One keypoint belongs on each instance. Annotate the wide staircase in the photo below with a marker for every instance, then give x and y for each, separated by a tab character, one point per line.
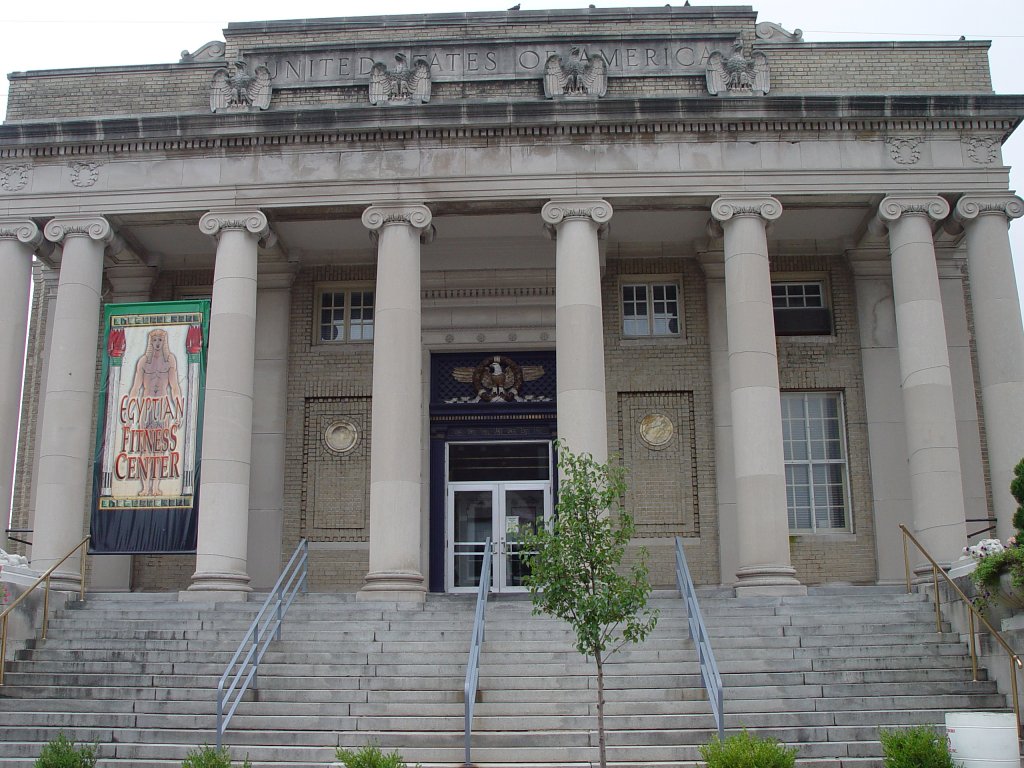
137	674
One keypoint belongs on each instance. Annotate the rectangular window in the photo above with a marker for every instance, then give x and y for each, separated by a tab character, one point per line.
346	315
650	309
815	457
800	309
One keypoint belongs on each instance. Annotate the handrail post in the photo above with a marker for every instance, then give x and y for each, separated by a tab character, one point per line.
938	608
476	640
974	646
906	561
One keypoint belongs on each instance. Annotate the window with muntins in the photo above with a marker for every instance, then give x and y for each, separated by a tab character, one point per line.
800	309
650	309
345	315
814	447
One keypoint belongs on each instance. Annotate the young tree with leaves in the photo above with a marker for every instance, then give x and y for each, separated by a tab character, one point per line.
574	567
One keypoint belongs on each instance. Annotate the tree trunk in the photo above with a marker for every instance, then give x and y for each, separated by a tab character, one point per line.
600	711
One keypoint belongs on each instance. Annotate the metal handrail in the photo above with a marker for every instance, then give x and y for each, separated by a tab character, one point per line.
937	570
235	682
473	665
699	632
45	577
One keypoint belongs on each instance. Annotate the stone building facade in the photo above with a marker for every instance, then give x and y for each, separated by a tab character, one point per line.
772	277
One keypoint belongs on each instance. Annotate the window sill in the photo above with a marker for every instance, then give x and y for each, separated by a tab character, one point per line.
831	537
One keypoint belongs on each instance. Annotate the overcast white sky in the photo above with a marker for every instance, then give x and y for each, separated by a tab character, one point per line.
61	33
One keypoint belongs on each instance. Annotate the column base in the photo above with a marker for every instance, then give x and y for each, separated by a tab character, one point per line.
65	581
393	586
768	581
217	587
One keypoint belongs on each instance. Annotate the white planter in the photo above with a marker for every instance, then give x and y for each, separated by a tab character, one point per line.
983	739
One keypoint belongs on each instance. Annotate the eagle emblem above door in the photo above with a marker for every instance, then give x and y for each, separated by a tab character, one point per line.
498	379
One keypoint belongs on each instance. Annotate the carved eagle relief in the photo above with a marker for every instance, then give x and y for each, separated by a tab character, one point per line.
578	77
401	83
736	73
498	379
235	89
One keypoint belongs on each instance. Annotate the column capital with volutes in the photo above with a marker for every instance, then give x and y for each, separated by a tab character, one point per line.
730	207
94	227
972	206
893	208
251	220
415	215
23	231
596	210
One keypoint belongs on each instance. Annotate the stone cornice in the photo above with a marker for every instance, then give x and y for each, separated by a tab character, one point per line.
729	207
699	116
25	232
932	206
970	207
253	221
93	227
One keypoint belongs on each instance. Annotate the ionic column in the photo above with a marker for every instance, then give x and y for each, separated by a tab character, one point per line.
577	225
221	550
397	405
65	451
18	241
763	523
999	338
936	485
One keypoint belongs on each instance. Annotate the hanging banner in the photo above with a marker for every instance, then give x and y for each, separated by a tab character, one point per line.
149	431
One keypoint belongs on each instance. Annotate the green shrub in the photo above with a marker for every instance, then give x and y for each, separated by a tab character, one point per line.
918	747
741	750
208	757
61	752
369	756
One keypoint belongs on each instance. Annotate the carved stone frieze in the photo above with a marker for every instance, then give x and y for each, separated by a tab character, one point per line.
904	150
14	177
235	89
982	150
772	32
85	174
401	85
736	74
579	77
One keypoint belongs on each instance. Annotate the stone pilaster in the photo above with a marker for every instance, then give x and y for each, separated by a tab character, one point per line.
932	446
999	338
713	264
577	225
765	565
270	405
64	450
18	241
222	548
397	409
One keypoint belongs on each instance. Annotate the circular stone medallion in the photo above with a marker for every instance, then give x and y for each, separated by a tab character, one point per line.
341	436
656	429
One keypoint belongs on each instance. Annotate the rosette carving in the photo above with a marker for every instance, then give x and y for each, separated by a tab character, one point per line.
892	208
253	221
763	206
94	227
23	231
970	207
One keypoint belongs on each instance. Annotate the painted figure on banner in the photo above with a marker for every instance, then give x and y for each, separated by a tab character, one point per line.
156	390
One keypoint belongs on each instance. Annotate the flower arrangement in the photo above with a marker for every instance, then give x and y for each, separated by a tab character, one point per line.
5	595
996	559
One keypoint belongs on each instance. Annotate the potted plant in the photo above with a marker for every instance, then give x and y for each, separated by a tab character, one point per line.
369	756
208	757
999	575
61	752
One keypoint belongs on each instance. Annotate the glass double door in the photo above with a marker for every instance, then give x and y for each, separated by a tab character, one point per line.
479	511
